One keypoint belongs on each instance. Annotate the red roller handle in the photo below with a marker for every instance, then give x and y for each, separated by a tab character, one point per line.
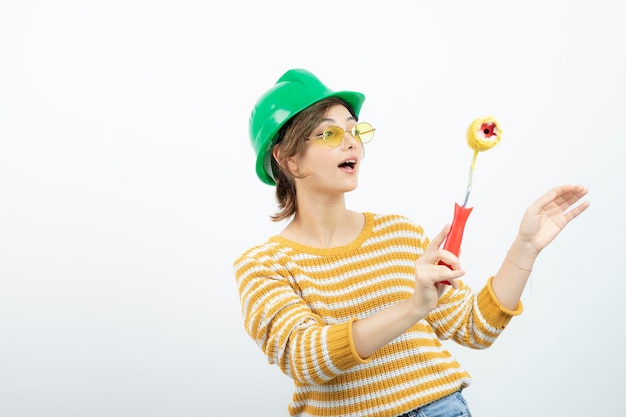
455	235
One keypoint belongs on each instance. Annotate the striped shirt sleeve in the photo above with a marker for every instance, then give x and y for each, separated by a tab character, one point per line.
286	329
471	320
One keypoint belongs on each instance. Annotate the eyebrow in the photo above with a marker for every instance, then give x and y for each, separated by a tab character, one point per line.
330	119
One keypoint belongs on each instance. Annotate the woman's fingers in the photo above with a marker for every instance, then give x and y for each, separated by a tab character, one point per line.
442	266
435	256
574	212
563	197
443	285
568	199
439	239
437	266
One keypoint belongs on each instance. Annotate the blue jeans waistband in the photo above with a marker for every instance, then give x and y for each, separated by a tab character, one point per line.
453	405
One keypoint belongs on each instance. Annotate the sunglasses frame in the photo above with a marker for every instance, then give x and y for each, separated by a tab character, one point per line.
354	132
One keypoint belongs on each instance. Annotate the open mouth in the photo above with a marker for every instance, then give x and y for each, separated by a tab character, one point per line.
350	164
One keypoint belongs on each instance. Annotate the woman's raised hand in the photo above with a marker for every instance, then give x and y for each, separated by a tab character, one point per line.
549	214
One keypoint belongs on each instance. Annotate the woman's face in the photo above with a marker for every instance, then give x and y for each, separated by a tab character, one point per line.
324	168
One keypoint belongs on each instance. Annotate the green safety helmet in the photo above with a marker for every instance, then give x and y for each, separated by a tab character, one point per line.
296	90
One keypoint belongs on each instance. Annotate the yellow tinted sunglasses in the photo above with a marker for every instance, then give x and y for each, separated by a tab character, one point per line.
333	135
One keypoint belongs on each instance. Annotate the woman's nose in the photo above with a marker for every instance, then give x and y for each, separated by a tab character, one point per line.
349	141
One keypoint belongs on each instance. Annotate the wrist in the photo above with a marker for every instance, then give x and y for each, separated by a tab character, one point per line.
522	254
414	310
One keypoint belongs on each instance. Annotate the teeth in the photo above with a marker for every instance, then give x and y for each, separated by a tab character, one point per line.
348	163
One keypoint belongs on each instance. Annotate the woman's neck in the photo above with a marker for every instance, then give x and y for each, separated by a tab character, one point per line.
324	223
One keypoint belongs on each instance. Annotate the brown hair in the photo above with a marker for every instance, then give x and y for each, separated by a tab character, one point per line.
291	138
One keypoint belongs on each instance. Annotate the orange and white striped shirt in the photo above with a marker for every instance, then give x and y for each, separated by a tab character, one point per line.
299	303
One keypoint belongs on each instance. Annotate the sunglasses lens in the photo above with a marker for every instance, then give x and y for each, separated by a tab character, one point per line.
364	132
333	136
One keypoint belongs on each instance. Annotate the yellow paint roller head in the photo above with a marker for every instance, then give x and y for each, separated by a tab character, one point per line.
483	133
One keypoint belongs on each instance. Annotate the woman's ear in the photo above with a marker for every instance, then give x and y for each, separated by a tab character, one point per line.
289	164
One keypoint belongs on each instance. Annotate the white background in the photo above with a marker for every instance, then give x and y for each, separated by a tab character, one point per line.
127	188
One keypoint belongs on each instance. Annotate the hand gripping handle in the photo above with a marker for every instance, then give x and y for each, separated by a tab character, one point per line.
455	235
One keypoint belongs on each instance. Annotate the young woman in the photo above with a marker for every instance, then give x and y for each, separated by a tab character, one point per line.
352	306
